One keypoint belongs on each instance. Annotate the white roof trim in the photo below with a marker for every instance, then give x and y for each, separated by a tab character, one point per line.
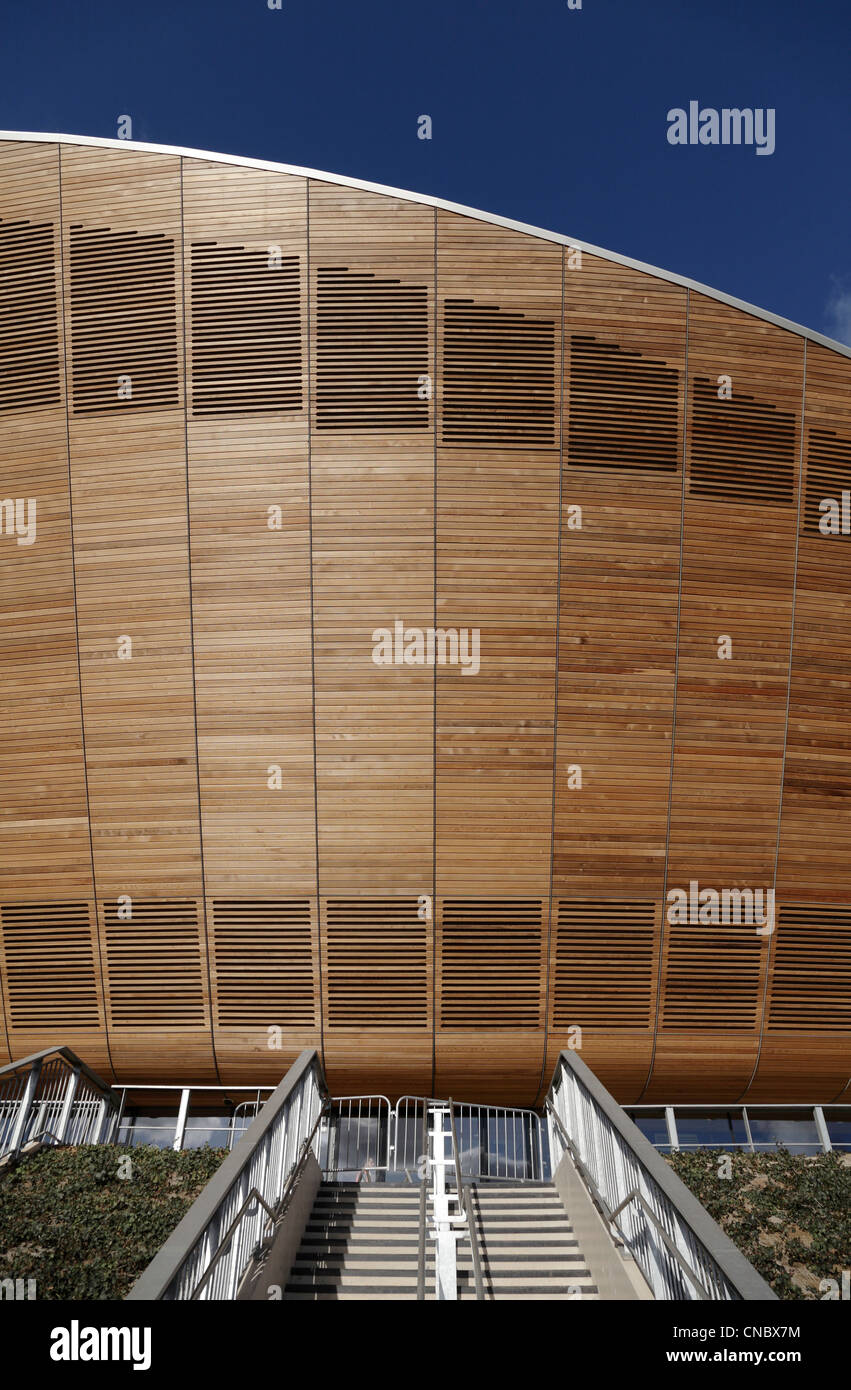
428	201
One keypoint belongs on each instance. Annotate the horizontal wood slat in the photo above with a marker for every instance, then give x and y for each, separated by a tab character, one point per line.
499	377
372	352
155	973
603	972
491	964
624	408
811	970
743	450
712	978
245	310
49	966
264	964
123	322
828	476
29	329
376	965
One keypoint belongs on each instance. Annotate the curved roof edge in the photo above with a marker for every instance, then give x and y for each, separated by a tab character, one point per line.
541	232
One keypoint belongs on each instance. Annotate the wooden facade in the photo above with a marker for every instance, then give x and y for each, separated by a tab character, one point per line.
265	416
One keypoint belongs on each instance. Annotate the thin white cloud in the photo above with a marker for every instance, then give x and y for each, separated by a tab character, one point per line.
838	309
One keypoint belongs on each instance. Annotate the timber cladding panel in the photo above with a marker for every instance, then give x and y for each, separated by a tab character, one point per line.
373	550
268	418
249	524
497	527
620	571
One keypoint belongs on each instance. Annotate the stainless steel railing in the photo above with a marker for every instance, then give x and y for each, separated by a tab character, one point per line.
679	1249
53	1097
423	1213
466	1207
495	1142
208	1253
355	1141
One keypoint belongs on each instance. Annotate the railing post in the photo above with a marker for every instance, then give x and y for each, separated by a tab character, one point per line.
671	1126
104	1121
25	1104
821	1126
67	1102
747	1124
180	1127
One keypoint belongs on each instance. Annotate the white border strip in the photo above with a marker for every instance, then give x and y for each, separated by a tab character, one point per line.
494	218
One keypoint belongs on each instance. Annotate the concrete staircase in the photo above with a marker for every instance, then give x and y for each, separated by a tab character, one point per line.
361	1243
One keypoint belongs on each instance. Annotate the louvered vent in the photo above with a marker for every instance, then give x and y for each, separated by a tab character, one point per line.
371	352
828	475
491	965
123	320
49	966
499	377
742	450
713	978
377	964
811	979
29	332
603	965
623	408
246	331
154	966
264	964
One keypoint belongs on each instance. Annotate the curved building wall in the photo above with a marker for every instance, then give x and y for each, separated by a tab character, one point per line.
264	415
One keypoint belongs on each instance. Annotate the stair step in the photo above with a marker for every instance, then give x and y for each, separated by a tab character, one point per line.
408	1258
362	1243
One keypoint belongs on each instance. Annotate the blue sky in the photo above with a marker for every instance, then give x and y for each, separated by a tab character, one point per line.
543	113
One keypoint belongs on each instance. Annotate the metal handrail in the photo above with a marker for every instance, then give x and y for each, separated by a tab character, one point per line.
69	1056
274	1212
622	1169
636	1196
253	1197
53	1087
262	1161
466	1208
421	1234
611	1215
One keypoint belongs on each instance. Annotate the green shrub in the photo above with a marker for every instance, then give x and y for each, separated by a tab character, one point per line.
69	1221
789	1214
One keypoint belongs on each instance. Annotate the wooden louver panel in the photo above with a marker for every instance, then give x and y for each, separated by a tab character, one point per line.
123	320
499	377
264	964
491	964
49	965
372	352
743	449
154	965
624	408
603	976
811	978
376	954
29	333
246	330
828	475
712	978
